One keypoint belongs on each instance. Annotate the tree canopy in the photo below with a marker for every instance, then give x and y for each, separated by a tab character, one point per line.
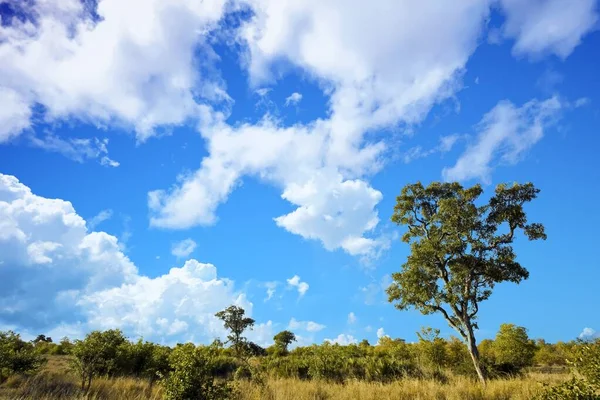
460	249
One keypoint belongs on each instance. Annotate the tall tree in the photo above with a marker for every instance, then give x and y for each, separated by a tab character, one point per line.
236	322
459	250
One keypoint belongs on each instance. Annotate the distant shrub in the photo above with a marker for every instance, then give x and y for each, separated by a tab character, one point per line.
17	356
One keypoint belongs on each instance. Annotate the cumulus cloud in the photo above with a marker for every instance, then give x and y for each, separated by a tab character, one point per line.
352	318
295	282
97	219
183	248
343	340
504	135
548	26
293	99
380	333
60	277
308	326
589	334
121	66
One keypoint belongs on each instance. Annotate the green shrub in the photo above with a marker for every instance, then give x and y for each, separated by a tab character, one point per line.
191	376
17	356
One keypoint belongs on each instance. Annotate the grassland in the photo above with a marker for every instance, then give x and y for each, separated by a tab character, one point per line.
55	381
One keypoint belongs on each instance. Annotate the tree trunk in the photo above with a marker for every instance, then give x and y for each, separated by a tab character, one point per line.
474	352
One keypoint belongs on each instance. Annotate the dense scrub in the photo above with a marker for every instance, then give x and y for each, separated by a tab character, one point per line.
105	363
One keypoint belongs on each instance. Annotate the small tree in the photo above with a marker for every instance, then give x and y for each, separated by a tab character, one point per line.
513	350
100	353
283	339
459	250
236	322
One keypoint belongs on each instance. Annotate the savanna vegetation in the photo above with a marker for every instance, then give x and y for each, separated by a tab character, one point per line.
460	249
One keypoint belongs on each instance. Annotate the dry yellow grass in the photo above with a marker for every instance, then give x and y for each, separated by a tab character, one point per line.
55	382
413	389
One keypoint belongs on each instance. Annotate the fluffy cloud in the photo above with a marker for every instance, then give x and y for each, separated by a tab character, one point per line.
504	135
352	318
308	326
343	340
184	248
322	167
293	99
295	282
132	64
548	26
60	277
15	113
380	333
589	334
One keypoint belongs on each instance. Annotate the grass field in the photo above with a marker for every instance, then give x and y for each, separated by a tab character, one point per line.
55	381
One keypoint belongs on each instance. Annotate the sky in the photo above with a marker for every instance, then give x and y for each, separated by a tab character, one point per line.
161	160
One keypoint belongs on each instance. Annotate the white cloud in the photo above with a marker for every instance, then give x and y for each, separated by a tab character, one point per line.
15	113
548	26
322	167
295	282
97	219
589	334
352	318
135	65
183	248
343	340
504	135
76	149
59	277
293	99
308	326
380	333
263	91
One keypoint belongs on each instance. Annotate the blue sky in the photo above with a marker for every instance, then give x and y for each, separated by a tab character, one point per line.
161	161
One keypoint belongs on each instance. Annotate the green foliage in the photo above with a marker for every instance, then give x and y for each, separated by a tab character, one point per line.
236	322
192	375
100	353
432	348
143	360
512	348
282	341
586	386
587	361
573	389
459	250
17	356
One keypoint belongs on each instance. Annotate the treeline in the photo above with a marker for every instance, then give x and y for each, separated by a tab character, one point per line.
206	371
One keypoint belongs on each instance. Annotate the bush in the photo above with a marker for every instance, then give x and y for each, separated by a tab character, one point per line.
513	350
17	356
100	353
191	376
587	364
